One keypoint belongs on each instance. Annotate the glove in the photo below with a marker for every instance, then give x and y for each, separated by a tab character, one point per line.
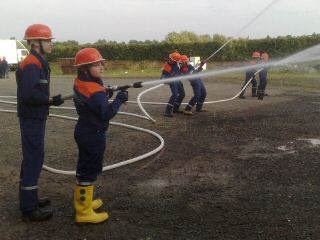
203	62
56	100
122	96
110	93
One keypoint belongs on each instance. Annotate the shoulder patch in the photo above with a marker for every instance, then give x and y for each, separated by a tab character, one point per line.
88	88
30	59
167	68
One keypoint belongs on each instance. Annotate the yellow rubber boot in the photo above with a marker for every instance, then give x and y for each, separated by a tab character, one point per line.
83	206
97	203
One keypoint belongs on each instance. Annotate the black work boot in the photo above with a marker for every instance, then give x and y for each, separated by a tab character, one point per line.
260	95
37	215
42	202
177	111
242	95
254	92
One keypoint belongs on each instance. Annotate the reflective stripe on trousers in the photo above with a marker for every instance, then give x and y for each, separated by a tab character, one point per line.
32	139
200	94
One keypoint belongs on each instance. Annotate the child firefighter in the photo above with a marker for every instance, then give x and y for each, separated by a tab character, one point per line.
91	102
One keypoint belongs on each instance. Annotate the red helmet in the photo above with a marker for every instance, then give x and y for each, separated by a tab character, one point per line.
38	31
184	58
256	55
265	56
175	56
86	56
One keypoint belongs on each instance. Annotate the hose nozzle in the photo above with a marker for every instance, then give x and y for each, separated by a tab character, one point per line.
125	87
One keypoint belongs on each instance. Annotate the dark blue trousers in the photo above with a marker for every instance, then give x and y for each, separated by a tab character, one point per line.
91	144
263	81
176	98
32	138
250	74
200	94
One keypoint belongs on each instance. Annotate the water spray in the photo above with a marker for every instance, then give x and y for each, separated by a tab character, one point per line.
304	56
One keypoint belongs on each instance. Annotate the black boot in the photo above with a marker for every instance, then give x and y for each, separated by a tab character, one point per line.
177	111
260	94
37	215
42	202
254	92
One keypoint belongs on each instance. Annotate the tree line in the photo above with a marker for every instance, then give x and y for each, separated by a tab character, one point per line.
191	44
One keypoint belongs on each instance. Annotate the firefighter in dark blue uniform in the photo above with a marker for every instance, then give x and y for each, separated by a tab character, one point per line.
5	67
91	101
1	68
199	90
171	69
33	80
250	74
263	75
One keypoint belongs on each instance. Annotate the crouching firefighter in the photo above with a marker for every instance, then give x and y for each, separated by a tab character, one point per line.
91	102
199	90
33	80
263	76
250	73
171	69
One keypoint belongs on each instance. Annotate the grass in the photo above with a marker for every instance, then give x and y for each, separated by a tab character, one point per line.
145	69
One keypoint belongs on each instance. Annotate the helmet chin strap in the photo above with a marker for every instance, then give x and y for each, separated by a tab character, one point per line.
41	47
87	71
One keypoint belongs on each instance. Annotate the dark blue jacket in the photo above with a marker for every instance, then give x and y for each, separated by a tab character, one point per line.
91	101
33	81
190	69
170	70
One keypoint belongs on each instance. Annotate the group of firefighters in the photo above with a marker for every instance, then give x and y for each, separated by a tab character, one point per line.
94	110
178	65
91	102
4	68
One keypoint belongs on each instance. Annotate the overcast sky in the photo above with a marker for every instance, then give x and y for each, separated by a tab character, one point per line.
123	20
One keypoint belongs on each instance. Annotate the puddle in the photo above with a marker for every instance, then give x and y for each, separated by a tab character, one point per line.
155	183
283	148
314	141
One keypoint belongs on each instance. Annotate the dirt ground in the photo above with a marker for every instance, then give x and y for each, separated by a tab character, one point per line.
247	169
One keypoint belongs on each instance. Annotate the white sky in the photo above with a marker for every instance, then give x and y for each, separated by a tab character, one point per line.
123	20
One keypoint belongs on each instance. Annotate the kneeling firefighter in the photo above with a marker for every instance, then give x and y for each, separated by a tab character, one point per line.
91	102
